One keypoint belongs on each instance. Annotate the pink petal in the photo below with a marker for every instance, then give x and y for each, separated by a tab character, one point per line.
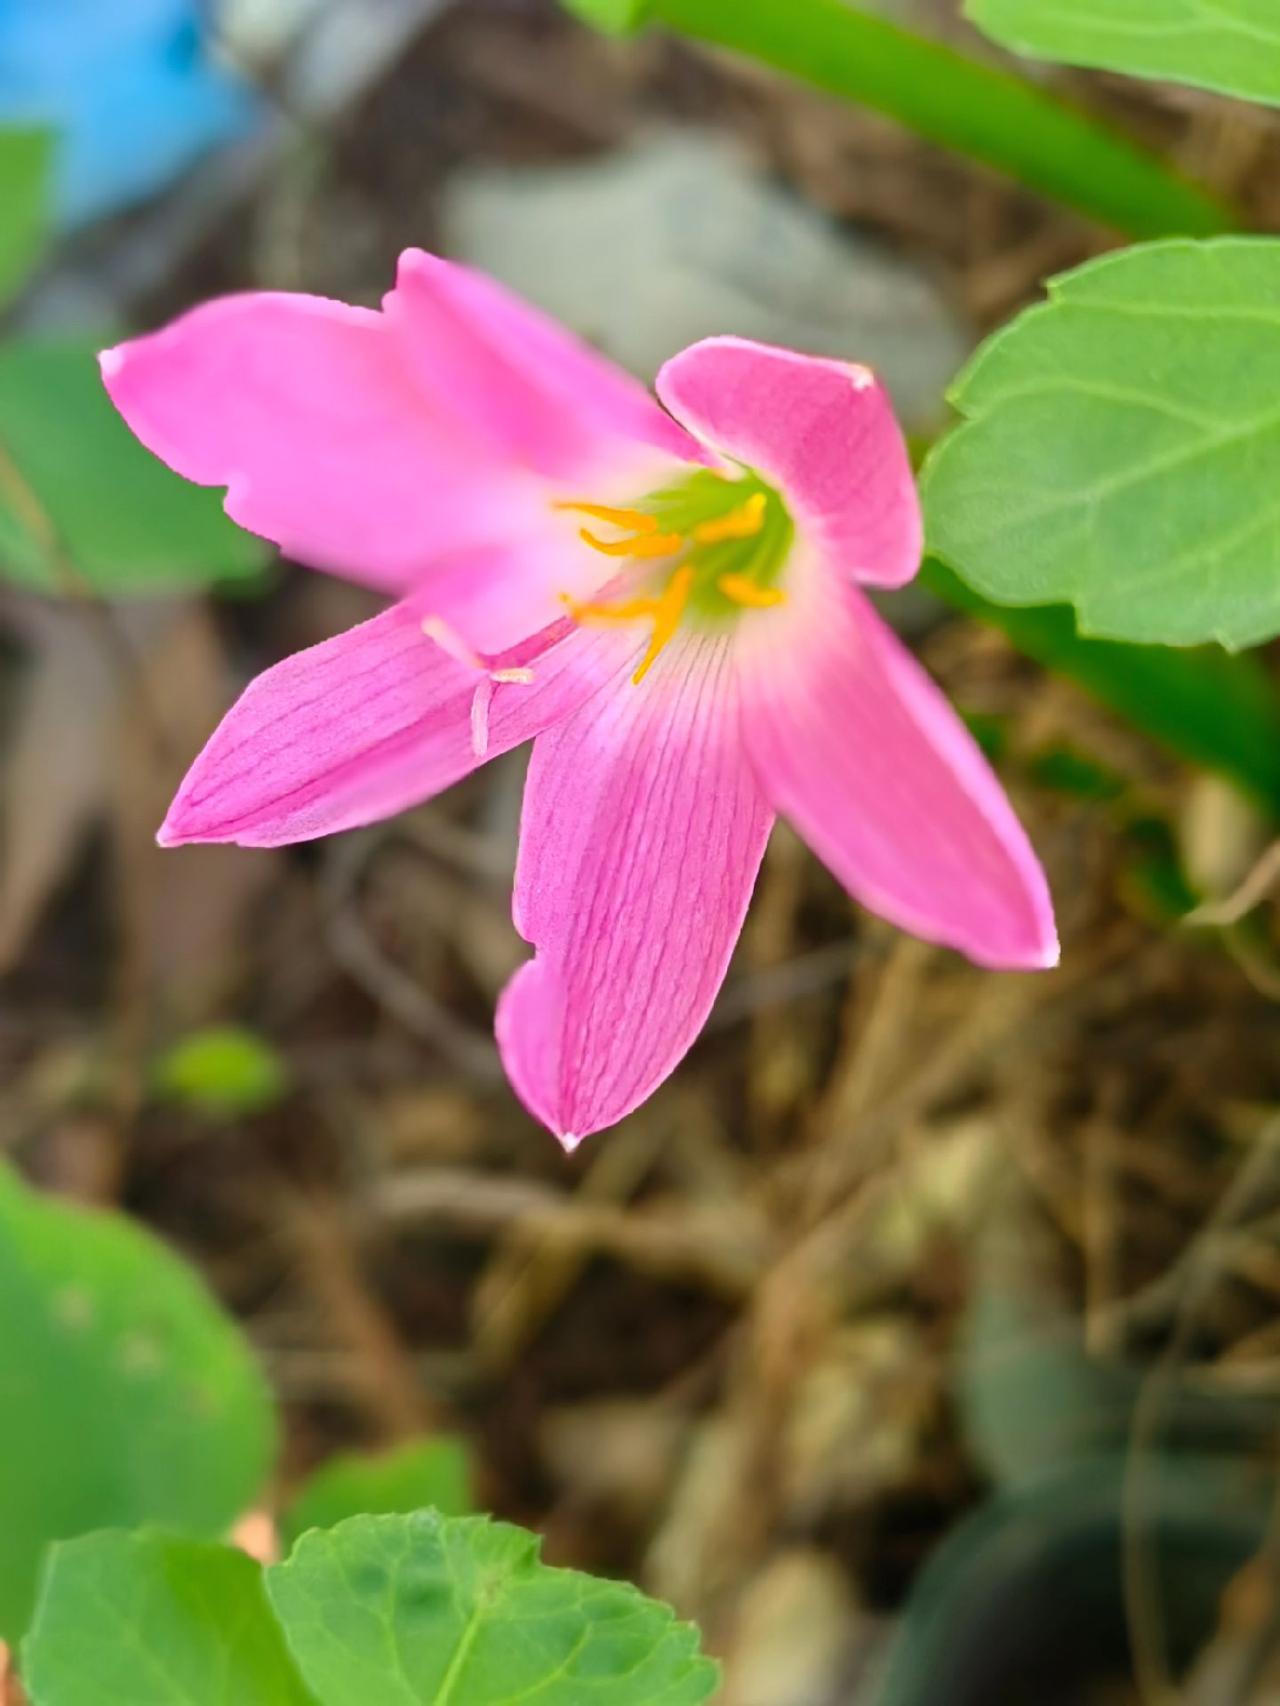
303	409
823	432
642	834
370	723
496	595
857	747
529	389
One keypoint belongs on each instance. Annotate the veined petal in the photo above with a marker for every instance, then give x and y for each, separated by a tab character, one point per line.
371	722
496	595
302	408
529	389
823	432
642	833
860	750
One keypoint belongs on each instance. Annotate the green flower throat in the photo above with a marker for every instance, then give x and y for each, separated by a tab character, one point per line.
707	548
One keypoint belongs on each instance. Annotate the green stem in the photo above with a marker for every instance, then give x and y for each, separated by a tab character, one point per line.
961	104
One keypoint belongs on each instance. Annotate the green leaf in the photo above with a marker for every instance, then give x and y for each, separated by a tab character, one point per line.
223	1071
1121	449
151	1620
83	504
976	109
25	157
411	1610
1218	711
435	1472
126	1396
615	17
1229	45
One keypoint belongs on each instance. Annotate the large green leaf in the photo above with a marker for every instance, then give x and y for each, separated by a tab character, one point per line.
1121	449
152	1620
1230	45
25	157
435	1472
83	504
126	1396
424	1610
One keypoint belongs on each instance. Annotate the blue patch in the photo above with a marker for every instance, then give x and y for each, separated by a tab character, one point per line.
129	87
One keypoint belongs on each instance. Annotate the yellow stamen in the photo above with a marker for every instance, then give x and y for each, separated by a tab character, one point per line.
666	618
639	520
750	594
649	545
742	523
628	611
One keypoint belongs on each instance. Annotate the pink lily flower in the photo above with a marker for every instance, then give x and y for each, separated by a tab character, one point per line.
667	601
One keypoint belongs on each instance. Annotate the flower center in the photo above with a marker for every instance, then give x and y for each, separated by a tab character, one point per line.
708	548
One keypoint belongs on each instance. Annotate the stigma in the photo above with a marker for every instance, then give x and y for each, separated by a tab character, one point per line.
694	554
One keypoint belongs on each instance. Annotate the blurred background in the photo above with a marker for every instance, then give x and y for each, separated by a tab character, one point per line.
920	1337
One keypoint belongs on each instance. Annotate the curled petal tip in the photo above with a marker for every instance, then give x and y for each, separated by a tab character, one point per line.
111	362
1050	953
1044	952
1038	951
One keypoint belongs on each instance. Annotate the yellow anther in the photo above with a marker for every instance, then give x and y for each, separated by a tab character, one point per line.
750	594
644	538
628	611
639	520
743	523
645	545
666	620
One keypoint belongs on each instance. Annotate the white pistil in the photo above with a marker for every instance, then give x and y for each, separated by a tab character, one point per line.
480	716
482	702
450	640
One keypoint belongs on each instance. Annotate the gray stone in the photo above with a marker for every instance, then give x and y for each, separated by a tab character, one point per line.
679	237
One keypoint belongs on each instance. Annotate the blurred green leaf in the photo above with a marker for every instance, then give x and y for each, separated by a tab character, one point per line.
1219	711
152	1620
25	157
224	1071
615	17
1155	884
433	1473
82	504
1120	449
990	732
1067	771
126	1396
977	109
1035	1577
423	1609
1032	1399
1232	46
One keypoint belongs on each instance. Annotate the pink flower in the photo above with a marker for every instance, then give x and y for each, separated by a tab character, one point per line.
667	602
